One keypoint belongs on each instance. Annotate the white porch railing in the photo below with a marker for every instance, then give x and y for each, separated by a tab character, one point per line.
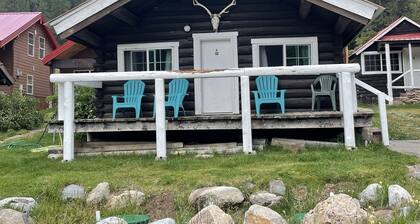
345	72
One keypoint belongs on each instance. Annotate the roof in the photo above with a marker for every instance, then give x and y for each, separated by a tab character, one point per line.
12	24
361	11
5	77
402	37
67	50
383	33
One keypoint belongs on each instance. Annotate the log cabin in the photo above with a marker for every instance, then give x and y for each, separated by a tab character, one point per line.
220	46
391	60
24	42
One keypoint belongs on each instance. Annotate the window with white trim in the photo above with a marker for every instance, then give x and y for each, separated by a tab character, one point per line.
31	44
30	85
148	57
374	62
41	47
269	52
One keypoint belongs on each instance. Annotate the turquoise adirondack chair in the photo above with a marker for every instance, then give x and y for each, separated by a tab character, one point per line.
268	93
133	94
177	91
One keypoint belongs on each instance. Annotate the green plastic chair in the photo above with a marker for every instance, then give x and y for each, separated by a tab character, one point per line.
178	89
268	93
327	86
133	94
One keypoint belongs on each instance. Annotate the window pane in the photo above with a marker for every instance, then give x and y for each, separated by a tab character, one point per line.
395	62
139	61
304	51
298	55
271	56
292	62
292	51
127	61
372	63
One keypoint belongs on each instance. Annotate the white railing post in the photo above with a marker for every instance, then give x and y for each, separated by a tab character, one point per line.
389	71
160	119
340	91
60	101
354	92
384	119
68	148
246	115
348	109
410	55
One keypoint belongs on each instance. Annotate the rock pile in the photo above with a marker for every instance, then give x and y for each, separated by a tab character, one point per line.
409	97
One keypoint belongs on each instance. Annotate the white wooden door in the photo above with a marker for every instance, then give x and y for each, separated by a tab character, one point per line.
416	66
216	95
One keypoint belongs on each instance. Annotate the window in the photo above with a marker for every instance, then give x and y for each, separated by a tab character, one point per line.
30	85
271	52
41	47
31	44
148	57
375	62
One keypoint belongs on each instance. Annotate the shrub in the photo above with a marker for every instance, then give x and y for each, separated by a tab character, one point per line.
18	111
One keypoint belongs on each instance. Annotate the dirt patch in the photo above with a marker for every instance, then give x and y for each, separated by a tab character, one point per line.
161	206
342	187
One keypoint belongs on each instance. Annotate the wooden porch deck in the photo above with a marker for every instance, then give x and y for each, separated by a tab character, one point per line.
291	120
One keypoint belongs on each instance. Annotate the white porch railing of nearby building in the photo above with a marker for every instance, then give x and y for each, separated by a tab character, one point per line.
345	73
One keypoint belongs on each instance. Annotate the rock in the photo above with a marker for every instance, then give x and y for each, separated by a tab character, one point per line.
265	199
300	193
112	220
398	196
249	186
10	216
277	187
73	192
339	208
414	172
384	216
204	156
258	214
211	215
55	156
221	196
99	194
371	194
164	221
125	198
24	204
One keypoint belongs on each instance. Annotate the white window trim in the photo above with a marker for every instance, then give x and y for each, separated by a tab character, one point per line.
31	45
257	43
362	62
45	47
174	46
27	84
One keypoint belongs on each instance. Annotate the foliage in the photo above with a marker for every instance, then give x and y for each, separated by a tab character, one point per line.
18	111
85	103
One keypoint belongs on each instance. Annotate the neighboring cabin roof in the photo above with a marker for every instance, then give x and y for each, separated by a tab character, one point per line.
361	11
12	24
65	51
382	35
5	77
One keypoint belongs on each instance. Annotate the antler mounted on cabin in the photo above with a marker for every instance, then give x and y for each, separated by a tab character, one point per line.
215	18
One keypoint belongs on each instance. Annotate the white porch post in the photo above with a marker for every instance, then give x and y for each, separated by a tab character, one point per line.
348	109
384	119
389	70
160	119
246	115
410	55
60	101
340	91
68	148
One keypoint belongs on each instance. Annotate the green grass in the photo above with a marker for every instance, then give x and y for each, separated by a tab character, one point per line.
403	121
24	173
10	133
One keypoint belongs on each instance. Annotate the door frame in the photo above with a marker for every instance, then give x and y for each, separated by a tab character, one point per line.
198	39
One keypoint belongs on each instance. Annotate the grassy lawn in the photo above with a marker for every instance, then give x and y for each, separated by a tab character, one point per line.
24	173
404	121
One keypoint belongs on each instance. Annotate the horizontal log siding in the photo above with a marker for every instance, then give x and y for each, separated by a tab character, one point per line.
252	19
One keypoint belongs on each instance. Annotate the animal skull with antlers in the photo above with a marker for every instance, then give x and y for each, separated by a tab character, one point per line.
215	18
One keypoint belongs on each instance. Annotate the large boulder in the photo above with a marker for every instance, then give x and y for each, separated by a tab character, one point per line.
211	215
126	198
10	216
277	187
221	196
265	199
398	196
24	204
112	220
372	194
164	221
99	194
72	192
258	214
339	208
